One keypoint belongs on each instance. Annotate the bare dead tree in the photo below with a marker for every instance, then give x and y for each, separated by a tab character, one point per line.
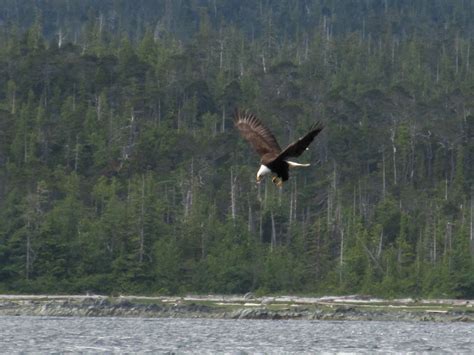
223	119
29	251
471	229
263	64
250	216
434	239
188	197
412	152
98	107
456	49
280	195
329	208
341	254
448	238
273	240
76	153
233	184
221	53
379	250
265	198
33	214
142	221
384	186
306	47
468	55
332	192
295	199
393	51
394	149
61	37
159	112
290	218
11	89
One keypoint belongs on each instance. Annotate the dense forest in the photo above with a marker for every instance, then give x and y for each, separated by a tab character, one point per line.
121	171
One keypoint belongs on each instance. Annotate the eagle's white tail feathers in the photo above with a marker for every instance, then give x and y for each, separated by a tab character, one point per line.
292	164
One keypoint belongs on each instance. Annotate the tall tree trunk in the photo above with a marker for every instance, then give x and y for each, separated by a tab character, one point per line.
13	109
306	47
76	153
274	240
379	250
429	155
25	146
456	48
471	229
354	204
434	239
292	212
223	119
179	120
159	112
341	255
188	199
384	188
98	108
468	54
28	248
447	238
232	194
329	208
437	72
250	216
11	88
221	54
280	194
61	38
393	52
446	188
142	222
290	217
394	148
295	200
265	195
412	152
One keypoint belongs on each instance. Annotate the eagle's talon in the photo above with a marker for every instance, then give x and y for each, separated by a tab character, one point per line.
277	181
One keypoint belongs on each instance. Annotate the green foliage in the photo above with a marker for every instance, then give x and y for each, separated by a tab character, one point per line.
120	170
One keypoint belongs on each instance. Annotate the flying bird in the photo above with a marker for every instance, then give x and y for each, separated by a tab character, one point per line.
272	158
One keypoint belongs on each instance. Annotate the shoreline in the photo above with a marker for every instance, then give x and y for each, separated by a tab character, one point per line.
247	306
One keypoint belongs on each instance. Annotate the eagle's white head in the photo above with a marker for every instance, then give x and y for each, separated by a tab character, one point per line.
264	170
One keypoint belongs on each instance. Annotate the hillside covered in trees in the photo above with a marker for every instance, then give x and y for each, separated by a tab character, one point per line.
121	171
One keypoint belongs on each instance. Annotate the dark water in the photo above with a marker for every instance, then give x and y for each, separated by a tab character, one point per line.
91	335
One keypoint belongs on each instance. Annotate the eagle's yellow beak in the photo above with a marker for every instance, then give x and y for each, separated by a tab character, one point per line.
259	179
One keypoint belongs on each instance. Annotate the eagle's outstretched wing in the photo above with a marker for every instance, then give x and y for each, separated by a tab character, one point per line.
295	149
259	136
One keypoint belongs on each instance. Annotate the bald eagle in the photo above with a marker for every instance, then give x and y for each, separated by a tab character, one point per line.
272	158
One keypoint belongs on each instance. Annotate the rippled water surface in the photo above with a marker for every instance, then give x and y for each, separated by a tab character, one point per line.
54	334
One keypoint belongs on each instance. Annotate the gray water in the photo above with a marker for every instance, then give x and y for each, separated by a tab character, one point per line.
91	335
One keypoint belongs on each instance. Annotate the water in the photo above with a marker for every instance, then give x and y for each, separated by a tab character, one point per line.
91	335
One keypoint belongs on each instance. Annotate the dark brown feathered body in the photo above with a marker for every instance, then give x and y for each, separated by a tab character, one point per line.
264	143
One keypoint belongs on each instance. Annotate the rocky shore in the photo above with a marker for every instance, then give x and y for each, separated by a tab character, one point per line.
239	307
